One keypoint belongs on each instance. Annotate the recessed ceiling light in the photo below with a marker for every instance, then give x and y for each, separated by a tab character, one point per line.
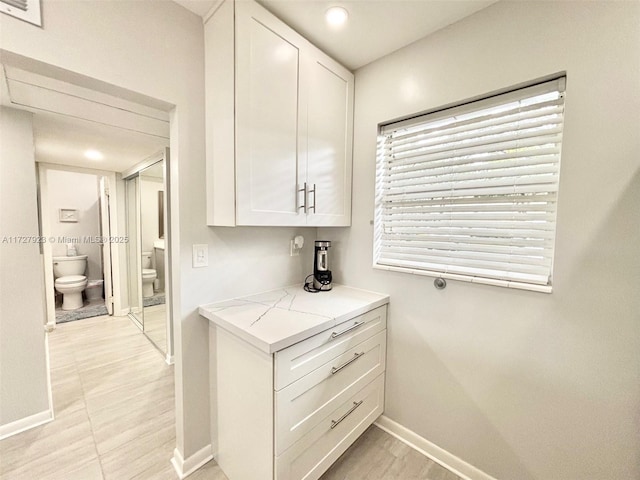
336	16
93	155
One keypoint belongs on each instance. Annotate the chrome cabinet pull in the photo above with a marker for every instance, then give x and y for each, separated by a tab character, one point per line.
304	197
314	198
356	356
352	327
335	423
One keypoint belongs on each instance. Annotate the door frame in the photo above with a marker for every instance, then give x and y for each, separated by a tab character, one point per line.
104	193
43	168
172	232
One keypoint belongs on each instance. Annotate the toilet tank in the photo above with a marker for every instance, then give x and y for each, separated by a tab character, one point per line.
146	259
65	266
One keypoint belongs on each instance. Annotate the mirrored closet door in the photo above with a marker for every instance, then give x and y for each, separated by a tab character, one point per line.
146	221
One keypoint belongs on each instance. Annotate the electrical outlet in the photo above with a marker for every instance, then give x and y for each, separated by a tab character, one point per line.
296	245
200	256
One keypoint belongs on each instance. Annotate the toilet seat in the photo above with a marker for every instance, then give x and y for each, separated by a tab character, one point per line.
148	273
70	281
148	277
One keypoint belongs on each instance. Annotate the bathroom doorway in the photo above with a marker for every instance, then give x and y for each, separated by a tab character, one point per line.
147	217
91	137
79	258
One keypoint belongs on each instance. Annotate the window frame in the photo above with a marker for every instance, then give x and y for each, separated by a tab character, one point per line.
458	108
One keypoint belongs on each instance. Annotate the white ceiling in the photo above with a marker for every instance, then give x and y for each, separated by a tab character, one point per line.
375	27
69	120
62	140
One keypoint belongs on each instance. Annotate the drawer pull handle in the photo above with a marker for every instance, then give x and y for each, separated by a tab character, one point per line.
346	330
335	423
356	356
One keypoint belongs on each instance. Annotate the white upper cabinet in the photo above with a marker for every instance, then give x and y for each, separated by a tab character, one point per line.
279	124
329	125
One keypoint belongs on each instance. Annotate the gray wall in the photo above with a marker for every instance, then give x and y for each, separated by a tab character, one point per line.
79	191
23	374
522	385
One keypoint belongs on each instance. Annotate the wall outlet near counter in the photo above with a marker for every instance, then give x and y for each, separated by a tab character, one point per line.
200	255
296	245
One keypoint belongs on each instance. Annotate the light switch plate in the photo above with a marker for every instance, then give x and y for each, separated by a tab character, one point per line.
200	255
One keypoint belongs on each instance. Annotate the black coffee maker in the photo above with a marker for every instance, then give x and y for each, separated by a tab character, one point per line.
321	273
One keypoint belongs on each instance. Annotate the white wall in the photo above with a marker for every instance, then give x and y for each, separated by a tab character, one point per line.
156	49
522	385
23	374
79	191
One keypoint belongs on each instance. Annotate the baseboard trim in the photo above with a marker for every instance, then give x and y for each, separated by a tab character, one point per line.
26	423
184	468
169	359
439	455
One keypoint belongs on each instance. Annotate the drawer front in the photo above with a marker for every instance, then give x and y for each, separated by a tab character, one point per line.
313	454
303	404
296	361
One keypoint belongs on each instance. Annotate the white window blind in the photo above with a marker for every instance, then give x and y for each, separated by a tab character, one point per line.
470	192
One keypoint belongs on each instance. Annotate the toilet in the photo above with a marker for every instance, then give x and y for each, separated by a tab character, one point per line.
148	275
70	280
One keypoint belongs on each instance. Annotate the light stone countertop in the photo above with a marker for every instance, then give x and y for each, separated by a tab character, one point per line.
279	318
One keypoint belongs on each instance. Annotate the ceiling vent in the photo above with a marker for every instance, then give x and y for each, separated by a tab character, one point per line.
27	10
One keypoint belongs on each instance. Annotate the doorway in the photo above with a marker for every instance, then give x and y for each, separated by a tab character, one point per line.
76	220
88	134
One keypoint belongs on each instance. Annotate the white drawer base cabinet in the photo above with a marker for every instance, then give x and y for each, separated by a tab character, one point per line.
289	414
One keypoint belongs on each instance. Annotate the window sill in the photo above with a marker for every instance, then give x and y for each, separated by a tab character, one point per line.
466	278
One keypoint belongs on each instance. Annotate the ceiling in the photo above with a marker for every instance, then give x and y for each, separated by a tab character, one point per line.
68	120
374	29
63	140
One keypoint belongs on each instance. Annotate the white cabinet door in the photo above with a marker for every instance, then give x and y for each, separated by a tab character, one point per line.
279	118
329	141
267	120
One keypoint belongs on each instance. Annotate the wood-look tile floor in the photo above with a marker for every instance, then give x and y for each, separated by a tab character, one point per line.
113	398
376	455
155	325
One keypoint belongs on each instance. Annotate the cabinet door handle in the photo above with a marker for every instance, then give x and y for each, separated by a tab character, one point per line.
356	356
304	197
335	423
347	330
314	198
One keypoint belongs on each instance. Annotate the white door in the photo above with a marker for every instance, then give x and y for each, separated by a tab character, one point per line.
105	228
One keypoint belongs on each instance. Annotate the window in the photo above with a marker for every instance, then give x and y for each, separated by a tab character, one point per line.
470	192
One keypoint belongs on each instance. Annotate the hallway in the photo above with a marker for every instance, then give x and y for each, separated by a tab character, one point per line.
113	398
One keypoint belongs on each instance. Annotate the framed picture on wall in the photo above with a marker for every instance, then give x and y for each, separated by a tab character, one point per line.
68	215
